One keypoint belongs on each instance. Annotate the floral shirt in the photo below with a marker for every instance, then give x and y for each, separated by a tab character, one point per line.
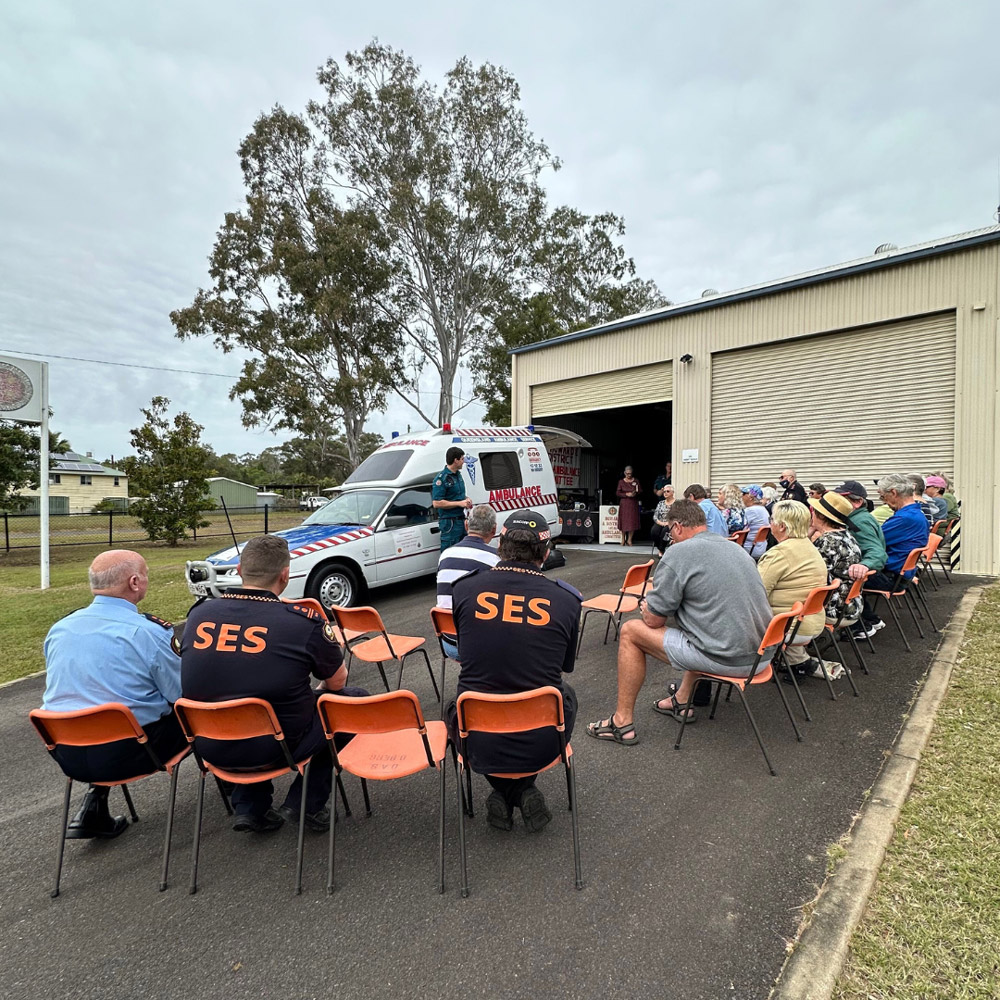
735	518
840	551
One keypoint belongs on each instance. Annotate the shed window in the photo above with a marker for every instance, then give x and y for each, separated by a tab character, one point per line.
501	470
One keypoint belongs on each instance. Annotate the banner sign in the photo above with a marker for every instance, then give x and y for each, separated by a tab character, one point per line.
609	526
565	466
20	389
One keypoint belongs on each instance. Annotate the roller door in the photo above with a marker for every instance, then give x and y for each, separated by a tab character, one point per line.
852	405
606	390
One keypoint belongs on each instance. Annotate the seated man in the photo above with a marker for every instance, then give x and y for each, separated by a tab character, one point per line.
905	530
714	519
109	651
471	553
714	592
250	644
517	631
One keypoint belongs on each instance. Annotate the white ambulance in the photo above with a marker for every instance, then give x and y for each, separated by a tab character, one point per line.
382	528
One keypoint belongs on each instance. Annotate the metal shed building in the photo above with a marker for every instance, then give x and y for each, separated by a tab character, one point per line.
235	493
884	364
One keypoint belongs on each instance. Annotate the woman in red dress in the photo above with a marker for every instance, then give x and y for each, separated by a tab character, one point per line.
628	505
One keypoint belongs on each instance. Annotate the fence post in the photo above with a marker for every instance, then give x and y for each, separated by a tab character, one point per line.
267	507
6	531
111	528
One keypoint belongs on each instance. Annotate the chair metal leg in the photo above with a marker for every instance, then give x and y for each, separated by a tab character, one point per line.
461	829
444	662
170	825
944	567
798	692
430	670
927	610
843	663
899	626
343	797
197	834
715	700
829	683
220	784
332	843
302	829
756	731
788	708
680	732
364	792
857	650
469	807
63	830
385	680
583	625
607	628
578	869
128	802
931	575
441	768
911	605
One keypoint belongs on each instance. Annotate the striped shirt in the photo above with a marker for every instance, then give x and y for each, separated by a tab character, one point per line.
471	553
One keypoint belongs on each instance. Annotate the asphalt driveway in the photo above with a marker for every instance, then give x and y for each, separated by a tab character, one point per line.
697	862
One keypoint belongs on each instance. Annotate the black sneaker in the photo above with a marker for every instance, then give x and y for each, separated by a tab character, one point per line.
862	631
318	822
254	823
534	811
498	814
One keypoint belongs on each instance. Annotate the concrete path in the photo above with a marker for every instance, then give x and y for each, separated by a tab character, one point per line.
696	862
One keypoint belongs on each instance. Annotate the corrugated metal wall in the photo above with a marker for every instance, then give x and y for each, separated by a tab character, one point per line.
646	384
964	283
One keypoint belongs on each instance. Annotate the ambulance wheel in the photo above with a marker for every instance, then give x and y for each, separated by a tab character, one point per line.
336	585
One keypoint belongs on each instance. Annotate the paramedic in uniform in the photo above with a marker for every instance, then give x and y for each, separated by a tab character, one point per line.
517	630
448	498
251	644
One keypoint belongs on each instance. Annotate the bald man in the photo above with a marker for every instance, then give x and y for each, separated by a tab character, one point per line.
110	651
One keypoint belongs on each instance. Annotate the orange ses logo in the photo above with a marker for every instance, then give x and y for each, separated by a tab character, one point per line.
230	638
513	609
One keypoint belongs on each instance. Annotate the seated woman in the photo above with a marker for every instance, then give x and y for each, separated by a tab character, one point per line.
791	569
730	502
660	534
839	550
756	518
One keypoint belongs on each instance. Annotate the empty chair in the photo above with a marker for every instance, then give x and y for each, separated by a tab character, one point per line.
97	726
615	605
391	740
382	646
541	708
773	641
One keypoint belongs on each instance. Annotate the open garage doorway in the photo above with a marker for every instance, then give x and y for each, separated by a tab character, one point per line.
640	436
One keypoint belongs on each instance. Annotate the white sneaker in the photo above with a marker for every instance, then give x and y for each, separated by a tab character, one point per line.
834	668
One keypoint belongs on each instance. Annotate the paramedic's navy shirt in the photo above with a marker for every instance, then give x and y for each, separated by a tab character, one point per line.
536	643
270	651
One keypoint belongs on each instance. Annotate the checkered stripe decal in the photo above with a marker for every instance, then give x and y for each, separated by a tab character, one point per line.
328	543
518	502
492	432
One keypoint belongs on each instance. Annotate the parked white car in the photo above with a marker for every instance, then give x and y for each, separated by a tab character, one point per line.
382	528
313	503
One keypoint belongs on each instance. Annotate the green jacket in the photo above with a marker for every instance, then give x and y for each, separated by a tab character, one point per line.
868	535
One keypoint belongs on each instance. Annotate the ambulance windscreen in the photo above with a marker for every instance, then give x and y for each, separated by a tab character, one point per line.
382	466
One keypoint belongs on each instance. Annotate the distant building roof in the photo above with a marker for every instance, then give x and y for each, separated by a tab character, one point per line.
70	461
226	479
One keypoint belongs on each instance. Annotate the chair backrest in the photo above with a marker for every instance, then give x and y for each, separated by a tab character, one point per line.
364	619
939	526
638	575
238	719
933	544
310	604
377	713
739	536
510	713
777	629
911	560
817	597
443	621
857	586
762	532
87	727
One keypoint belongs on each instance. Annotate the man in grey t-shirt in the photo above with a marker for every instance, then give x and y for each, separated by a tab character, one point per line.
713	590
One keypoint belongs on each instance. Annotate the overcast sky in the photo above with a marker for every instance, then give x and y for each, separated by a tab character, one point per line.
742	142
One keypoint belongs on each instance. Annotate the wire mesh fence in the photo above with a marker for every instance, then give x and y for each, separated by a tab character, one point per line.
115	528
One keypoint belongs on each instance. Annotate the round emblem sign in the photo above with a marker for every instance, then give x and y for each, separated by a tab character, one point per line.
15	388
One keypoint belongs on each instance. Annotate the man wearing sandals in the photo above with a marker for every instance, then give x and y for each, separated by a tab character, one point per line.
713	590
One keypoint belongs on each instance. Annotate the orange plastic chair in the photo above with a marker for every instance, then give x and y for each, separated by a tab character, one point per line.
391	740
903	589
540	708
815	602
834	627
739	536
928	554
774	640
311	604
235	720
444	627
382	645
763	532
91	727
615	605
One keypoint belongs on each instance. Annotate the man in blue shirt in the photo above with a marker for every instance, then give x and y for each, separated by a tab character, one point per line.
448	498
905	530
109	651
713	516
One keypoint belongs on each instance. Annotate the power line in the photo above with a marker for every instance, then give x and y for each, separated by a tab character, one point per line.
124	364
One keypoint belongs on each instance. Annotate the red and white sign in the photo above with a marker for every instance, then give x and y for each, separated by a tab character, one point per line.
565	466
524	496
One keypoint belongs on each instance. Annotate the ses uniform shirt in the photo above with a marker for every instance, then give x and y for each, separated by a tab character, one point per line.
251	644
110	651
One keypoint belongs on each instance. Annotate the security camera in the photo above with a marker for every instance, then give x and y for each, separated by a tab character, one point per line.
686	359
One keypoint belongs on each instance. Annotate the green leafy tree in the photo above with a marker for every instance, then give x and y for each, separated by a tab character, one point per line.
168	473
20	461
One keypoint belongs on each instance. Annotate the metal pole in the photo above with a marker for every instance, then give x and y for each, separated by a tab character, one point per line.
6	532
111	528
43	451
267	507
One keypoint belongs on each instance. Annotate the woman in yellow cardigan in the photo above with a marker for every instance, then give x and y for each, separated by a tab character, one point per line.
790	570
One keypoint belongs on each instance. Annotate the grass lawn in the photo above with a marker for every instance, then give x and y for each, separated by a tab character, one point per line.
27	612
932	927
